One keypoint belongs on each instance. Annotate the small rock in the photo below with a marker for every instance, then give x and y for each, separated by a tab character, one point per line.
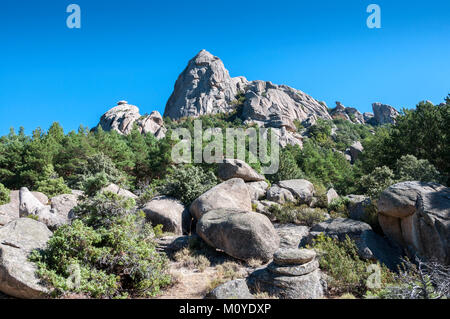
293	256
234	289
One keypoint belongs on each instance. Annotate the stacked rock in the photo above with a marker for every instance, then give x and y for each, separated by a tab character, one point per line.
293	274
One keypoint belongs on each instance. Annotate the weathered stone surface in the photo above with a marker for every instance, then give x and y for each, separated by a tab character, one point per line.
347	113
290	256
243	235
358	207
302	189
384	114
63	205
120	118
172	244
10	211
234	168
331	195
257	190
152	124
355	150
17	274
113	188
417	215
205	87
279	195
234	289
231	194
287	287
264	207
293	270
168	212
291	235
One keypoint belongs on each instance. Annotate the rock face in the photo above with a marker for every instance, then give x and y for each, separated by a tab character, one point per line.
291	235
168	212
370	245
10	211
17	274
205	87
234	289
358	207
279	195
242	235
257	190
294	274
122	117
30	205
63	205
384	114
301	189
417	215
234	168
355	150
231	194
347	113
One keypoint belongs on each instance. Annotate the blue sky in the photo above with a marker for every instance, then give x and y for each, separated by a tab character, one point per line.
135	50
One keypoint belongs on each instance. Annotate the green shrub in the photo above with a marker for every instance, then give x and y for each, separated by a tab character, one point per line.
4	195
409	168
347	271
104	262
53	187
304	215
186	183
288	168
104	209
338	207
377	181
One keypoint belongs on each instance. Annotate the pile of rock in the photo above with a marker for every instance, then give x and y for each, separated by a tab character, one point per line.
293	274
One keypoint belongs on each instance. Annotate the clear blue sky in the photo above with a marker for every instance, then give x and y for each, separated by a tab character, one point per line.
135	50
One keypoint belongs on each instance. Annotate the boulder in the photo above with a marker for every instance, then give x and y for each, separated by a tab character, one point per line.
113	188
307	286
416	215
63	205
331	195
263	207
257	190
234	289
384	114
294	269
279	195
17	274
358	207
290	256
120	118
170	213
347	113
355	150
302	189
291	235
234	168
242	235
10	211
152	124
231	194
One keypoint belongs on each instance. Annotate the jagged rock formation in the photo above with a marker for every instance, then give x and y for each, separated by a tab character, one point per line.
384	114
205	87
122	117
347	113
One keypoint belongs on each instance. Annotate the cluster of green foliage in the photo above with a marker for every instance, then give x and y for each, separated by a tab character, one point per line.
302	215
110	252
347	271
4	195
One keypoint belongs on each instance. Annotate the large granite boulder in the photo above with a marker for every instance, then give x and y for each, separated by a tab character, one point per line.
242	235
347	113
170	213
63	205
234	289
384	114
355	150
122	117
257	190
231	194
291	235
11	210
17	274
417	216
359	207
234	168
301	189
279	195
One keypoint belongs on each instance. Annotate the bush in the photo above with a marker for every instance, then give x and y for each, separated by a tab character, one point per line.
104	209
377	181
339	207
347	271
4	195
303	215
118	261
409	168
53	187
288	168
187	183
